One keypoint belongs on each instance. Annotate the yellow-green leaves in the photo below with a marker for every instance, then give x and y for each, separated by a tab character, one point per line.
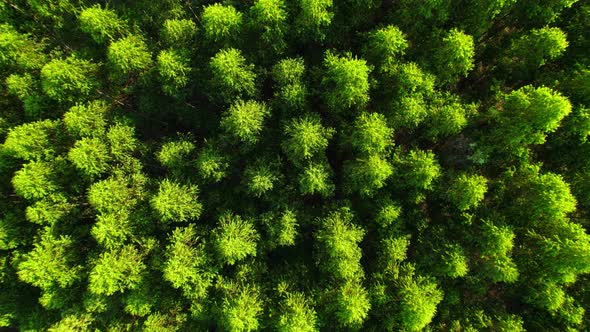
232	75
221	24
346	82
179	32
187	265
235	238
51	263
90	156
467	191
69	79
306	138
173	67
102	24
129	55
244	121
85	120
454	57
175	202
35	180
370	134
116	271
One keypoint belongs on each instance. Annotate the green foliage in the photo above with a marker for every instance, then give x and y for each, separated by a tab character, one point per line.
419	298
291	89
90	156
19	50
371	134
448	116
550	198
409	78
232	76
386	45
388	213
111	195
346	81
296	314
305	138
408	112
116	271
103	25
260	178
510	323
496	247
69	79
234	238
21	86
76	323
172	322
112	230
241	309
177	32
244	121
176	202
418	169
176	154
453	262
338	241
454	57
314	17
352	305
175	165
467	191
315	179
539	46
393	252
49	210
529	114
537	12
37	179
212	165
129	55
282	229
33	141
51	263
174	71
366	175
270	17
221	24
11	236
87	120
187	265
121	140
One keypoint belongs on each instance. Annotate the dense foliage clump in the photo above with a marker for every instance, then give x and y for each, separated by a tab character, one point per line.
310	165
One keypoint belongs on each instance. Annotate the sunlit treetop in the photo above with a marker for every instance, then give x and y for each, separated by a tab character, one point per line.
221	24
87	119
306	137
179	32
346	81
538	46
129	55
454	57
232	75
371	134
314	18
386	45
34	140
244	121
102	24
69	79
175	202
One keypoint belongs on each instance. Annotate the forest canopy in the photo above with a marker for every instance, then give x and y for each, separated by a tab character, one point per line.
295	165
